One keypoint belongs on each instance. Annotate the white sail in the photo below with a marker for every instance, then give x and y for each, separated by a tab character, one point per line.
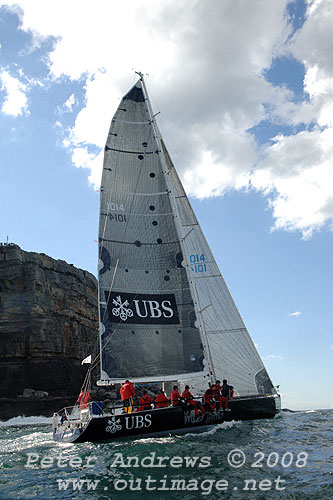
232	353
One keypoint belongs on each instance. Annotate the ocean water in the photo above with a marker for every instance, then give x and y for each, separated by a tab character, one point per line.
290	456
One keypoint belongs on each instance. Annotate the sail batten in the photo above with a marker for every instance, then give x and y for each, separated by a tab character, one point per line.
131	123
176	377
113	191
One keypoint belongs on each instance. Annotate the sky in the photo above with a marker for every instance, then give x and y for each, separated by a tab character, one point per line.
245	95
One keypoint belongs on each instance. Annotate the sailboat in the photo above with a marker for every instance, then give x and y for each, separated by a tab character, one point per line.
166	316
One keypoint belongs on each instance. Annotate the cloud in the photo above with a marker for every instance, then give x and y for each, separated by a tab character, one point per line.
313	43
83	159
274	356
15	102
209	137
331	347
296	170
68	105
295	314
114	35
207	63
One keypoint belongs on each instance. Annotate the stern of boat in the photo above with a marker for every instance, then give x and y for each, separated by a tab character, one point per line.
69	423
277	400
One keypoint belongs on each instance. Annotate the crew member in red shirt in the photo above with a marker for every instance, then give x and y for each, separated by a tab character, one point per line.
188	397
145	401
208	400
222	399
216	393
161	400
175	396
126	393
218	385
83	399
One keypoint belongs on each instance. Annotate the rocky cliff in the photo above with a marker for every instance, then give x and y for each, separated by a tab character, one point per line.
48	323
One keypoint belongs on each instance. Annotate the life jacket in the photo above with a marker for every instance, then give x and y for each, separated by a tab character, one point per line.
161	400
127	390
175	398
83	399
145	402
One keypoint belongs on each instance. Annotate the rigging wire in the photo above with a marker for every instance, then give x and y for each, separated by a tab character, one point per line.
110	290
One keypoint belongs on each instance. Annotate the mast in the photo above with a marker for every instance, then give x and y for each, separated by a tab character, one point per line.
100	324
211	372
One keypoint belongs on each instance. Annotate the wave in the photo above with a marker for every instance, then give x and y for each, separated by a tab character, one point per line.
215	428
156	440
22	420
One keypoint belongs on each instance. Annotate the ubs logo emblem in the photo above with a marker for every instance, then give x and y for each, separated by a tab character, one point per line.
121	310
142	309
113	425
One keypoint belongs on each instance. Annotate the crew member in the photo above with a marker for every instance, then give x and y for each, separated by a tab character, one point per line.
218	385
216	394
63	417
189	400
175	397
161	400
145	401
208	400
126	393
188	397
83	399
227	393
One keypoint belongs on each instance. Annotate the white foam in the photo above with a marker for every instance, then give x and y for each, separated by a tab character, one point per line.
25	442
22	420
155	440
215	428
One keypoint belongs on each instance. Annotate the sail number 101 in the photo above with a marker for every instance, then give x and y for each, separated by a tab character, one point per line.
197	263
115	207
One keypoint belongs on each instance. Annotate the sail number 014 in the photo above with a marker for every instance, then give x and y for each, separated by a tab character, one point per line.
198	263
115	207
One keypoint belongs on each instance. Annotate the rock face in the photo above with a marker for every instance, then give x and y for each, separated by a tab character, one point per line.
48	323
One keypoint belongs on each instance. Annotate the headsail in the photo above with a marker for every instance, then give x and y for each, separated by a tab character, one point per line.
168	314
229	345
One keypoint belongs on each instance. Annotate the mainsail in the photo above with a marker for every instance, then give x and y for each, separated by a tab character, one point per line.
165	311
147	316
